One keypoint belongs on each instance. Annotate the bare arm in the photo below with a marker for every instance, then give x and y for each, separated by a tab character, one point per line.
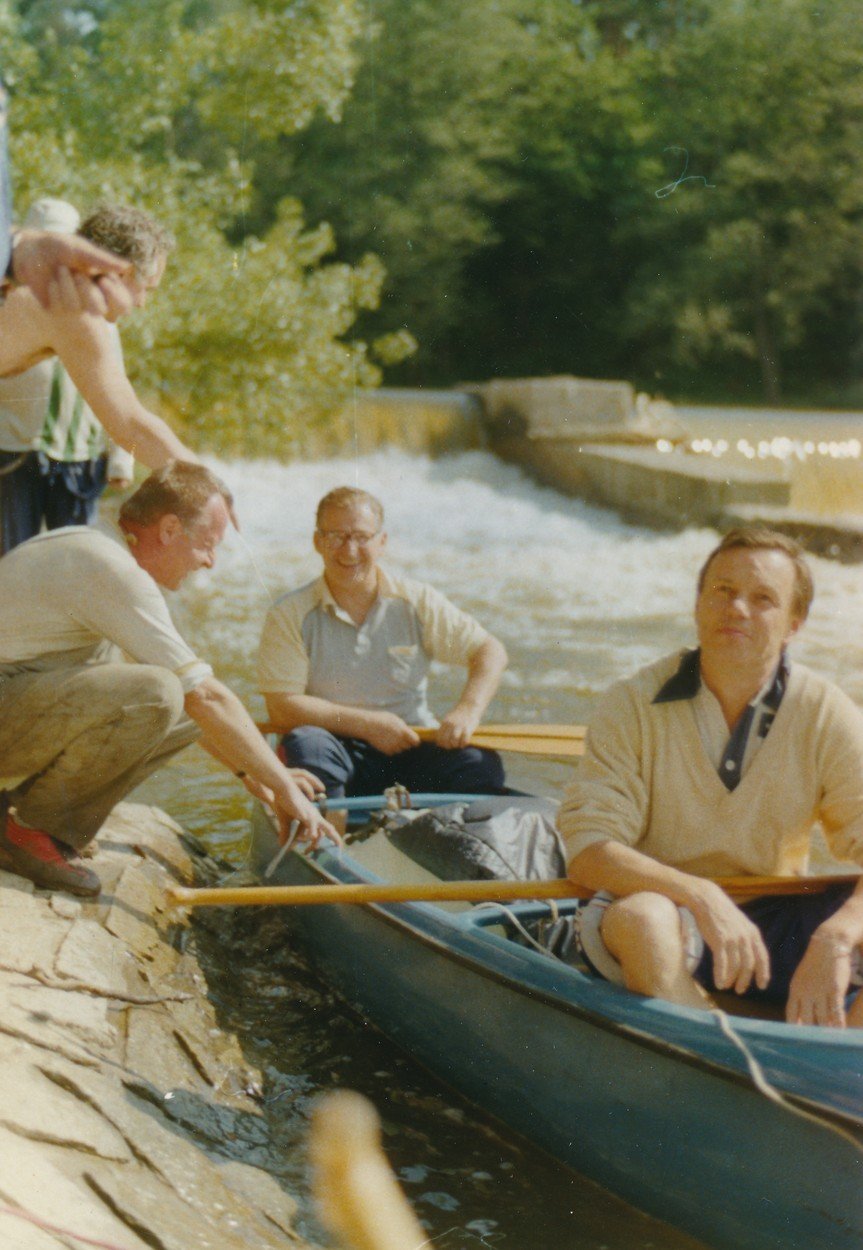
230	735
739	953
85	347
484	671
384	730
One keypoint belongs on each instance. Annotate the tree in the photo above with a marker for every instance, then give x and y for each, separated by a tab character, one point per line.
754	233
152	104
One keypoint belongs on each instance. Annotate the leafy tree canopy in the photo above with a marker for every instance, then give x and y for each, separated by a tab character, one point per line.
159	104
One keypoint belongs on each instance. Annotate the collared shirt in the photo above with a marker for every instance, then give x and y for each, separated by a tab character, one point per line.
77	596
312	646
41	410
645	781
731	754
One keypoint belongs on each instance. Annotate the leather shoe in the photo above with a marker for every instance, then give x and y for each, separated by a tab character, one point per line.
44	861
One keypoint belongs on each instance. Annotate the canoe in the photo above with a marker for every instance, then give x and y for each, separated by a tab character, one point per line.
654	1102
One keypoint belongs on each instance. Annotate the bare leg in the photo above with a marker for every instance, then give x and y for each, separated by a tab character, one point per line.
643	934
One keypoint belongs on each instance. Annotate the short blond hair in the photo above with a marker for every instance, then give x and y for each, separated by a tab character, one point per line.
346	497
129	232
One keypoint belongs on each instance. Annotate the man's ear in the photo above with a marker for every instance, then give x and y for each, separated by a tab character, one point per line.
170	527
384	537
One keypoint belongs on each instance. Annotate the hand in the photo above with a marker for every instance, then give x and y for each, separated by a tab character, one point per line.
310	785
739	953
68	273
73	294
389	734
119	483
291	804
456	729
819	986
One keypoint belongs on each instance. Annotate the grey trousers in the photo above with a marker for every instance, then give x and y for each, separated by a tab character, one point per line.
83	738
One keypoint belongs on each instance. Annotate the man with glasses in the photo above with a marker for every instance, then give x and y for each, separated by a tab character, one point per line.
344	663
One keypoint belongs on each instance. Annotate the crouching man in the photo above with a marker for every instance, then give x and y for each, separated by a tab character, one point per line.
717	762
97	687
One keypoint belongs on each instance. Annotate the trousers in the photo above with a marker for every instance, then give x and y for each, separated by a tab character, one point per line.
349	766
35	488
75	741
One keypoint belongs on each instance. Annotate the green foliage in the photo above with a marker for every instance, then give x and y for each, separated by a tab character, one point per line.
670	191
152	104
763	236
667	191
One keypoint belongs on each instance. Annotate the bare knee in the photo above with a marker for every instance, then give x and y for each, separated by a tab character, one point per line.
643	934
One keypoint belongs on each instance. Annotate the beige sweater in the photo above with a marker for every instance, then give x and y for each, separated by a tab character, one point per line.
646	781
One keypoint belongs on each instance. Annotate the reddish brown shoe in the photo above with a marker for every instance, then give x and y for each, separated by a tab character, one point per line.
38	857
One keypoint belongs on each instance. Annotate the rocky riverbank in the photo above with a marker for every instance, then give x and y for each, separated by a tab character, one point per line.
126	1113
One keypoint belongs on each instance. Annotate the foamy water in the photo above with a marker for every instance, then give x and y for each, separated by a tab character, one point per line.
578	597
576	594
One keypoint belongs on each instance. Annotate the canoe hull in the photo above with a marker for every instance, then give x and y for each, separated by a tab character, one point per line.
557	1058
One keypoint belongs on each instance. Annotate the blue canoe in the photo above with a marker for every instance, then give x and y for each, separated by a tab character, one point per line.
652	1101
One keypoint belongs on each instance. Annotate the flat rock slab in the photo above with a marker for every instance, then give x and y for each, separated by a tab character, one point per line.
82	1017
34	1106
121	1099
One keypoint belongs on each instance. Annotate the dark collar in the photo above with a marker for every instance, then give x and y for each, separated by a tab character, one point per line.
686	682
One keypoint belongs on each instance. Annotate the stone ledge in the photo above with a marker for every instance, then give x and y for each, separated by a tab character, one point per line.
118	1089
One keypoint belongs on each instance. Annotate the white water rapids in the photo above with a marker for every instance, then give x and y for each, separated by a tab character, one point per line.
578	597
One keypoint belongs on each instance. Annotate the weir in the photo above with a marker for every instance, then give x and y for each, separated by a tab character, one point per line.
602	442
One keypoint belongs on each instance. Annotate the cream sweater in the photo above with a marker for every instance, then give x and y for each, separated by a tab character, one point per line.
646	781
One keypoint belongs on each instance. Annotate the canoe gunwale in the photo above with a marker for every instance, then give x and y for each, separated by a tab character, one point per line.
401	917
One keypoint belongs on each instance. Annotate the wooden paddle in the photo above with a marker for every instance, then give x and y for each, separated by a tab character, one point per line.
358	1197
562	741
739	888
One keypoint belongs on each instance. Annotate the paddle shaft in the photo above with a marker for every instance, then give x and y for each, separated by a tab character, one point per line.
555	740
740	888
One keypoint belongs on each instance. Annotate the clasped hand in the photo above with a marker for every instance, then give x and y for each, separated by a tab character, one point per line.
296	803
739	953
456	729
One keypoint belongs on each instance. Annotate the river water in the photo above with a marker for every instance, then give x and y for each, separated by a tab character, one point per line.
579	598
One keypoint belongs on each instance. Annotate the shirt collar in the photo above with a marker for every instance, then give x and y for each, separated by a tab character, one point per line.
686	682
386	589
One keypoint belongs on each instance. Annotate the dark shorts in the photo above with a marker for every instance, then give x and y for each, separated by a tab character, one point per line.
786	923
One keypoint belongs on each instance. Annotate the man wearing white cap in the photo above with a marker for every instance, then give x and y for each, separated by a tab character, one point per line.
54	456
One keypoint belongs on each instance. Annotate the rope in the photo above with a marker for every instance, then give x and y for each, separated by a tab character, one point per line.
517	925
764	1086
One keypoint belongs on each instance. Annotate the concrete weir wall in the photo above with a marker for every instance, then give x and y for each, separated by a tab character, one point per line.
118	1089
601	441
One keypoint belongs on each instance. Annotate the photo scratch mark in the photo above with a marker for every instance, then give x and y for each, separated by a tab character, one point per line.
683	176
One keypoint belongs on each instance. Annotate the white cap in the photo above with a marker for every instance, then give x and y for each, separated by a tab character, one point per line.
55	215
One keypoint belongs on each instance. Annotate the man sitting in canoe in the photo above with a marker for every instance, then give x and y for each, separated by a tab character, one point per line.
80	726
31	331
717	762
344	662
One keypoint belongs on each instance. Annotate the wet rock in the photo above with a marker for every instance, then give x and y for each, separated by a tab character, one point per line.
123	1113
